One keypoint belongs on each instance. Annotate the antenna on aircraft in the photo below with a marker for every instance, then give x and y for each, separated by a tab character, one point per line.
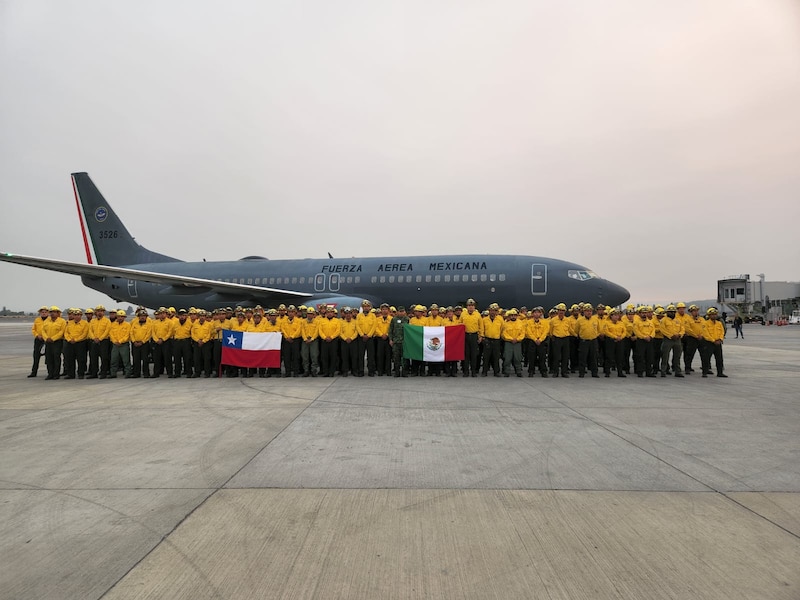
330	255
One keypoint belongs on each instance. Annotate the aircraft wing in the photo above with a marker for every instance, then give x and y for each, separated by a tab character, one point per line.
178	281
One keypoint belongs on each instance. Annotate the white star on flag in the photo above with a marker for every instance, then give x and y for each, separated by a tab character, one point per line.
232	340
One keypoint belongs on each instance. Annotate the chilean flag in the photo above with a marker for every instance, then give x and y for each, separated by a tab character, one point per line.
251	349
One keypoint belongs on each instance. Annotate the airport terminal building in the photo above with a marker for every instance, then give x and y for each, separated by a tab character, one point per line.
773	299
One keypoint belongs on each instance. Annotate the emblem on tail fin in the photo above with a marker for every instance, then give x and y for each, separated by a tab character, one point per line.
100	214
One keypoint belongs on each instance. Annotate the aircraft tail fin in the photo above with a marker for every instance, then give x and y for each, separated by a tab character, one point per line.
105	239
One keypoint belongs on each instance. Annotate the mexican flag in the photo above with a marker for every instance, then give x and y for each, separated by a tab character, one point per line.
433	344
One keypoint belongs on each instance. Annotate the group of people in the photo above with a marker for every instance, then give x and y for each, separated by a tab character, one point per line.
324	341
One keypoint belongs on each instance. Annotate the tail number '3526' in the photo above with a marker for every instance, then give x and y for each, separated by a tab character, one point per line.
107	234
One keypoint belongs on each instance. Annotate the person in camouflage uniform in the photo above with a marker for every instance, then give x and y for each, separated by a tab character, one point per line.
396	333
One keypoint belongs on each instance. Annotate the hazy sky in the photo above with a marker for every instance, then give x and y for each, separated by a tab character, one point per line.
657	143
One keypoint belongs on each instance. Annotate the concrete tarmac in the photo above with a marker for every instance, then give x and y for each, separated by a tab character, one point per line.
404	488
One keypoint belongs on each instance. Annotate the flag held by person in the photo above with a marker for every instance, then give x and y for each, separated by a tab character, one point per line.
433	344
251	349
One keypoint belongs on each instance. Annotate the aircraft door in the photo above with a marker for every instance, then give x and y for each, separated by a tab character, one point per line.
538	279
319	282
333	282
132	291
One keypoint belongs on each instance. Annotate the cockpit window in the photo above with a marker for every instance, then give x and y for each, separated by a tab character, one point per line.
581	275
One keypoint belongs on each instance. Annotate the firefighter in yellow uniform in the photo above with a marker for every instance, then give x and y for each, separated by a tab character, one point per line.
163	332
292	342
537	330
492	329
587	330
202	335
693	333
349	343
182	345
330	329
473	330
309	351
53	335
615	333
383	350
365	326
120	336
644	329
560	334
76	337
513	336
38	340
99	344
712	338
672	331
141	334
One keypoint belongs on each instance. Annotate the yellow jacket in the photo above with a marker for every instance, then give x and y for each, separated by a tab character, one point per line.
437	321
629	323
120	332
644	328
292	329
513	330
382	325
163	330
561	328
713	330
183	330
236	326
76	332
657	323
36	329
261	326
492	329
615	330
694	327
349	331
473	323
310	330
53	330
451	322
330	328
202	332
537	330
365	324
671	327
99	328
141	332
587	329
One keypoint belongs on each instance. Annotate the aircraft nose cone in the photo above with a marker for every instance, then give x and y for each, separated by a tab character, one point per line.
614	294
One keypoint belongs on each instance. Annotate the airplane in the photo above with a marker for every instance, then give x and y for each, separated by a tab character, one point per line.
121	268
